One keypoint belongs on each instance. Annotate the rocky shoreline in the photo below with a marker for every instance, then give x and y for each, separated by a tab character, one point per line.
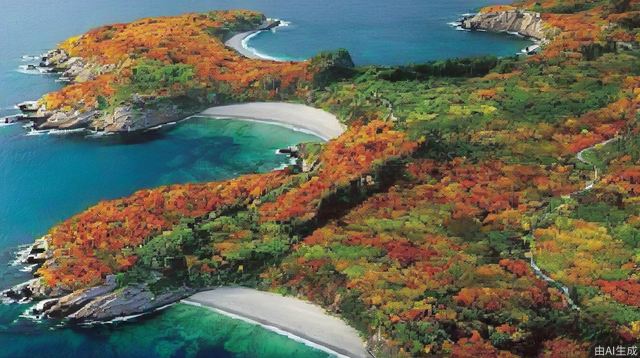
136	114
131	116
523	23
94	304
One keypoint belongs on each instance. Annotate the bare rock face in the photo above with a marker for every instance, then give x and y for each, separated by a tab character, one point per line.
55	120
134	116
130	300
34	289
68	120
525	23
77	299
73	67
94	304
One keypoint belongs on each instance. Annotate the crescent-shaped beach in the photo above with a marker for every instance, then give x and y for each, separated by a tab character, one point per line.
295	116
295	318
236	43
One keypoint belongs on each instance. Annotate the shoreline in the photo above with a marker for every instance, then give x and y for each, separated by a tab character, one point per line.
239	43
298	117
459	25
296	319
293	116
268	327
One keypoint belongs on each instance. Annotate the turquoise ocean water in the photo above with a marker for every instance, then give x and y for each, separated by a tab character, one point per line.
47	178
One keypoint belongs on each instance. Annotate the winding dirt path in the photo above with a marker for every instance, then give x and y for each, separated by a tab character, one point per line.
588	186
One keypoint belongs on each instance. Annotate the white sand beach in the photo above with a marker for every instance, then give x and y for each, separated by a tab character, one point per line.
295	318
235	43
297	116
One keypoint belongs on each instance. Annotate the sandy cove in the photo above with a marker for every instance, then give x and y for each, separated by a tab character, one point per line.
296	116
235	43
297	319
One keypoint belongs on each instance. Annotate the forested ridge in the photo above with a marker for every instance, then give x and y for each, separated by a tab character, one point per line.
418	224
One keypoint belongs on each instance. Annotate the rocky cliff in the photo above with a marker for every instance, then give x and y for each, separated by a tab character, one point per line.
99	303
137	113
525	23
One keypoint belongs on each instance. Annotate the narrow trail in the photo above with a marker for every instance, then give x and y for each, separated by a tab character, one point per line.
580	156
588	186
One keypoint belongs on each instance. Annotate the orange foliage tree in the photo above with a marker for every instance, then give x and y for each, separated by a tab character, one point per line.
344	159
194	40
91	244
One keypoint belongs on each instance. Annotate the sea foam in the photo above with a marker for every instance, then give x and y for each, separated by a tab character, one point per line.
274	329
37	71
20	255
26	58
253	50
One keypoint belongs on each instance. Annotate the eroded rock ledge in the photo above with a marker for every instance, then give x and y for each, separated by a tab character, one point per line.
99	303
525	23
135	114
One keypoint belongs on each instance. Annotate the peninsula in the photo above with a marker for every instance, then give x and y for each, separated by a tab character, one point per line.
131	77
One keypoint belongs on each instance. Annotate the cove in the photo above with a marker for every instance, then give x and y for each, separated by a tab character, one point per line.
47	178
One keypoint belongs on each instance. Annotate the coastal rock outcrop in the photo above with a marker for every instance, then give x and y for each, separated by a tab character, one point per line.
107	301
76	300
34	289
130	300
132	115
73	69
525	23
97	303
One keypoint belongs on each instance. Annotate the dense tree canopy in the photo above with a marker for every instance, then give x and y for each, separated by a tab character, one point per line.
164	56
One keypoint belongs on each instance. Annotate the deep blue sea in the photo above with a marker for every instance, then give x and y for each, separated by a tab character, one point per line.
47	178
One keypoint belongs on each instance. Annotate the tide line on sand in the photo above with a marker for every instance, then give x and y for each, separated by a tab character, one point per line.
252	52
294	318
240	43
270	328
298	117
